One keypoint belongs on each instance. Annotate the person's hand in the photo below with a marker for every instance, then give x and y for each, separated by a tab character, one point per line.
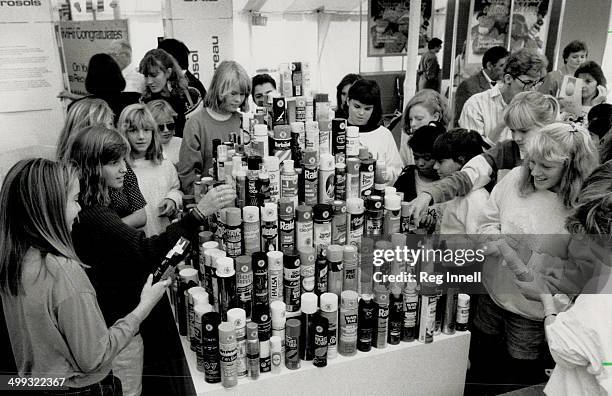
217	198
167	208
534	289
419	207
150	295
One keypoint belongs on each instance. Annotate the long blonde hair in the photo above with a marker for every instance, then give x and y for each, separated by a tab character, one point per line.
33	202
228	75
529	109
91	149
562	143
433	102
138	116
82	114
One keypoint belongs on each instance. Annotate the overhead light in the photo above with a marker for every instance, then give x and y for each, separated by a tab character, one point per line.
258	20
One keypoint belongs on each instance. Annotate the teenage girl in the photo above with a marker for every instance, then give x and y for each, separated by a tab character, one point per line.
157	177
164	116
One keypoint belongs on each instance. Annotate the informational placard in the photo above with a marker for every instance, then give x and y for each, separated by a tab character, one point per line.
530	20
83	39
388	27
488	27
25	11
28	67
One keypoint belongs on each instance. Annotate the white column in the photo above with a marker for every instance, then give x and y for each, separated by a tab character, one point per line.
413	48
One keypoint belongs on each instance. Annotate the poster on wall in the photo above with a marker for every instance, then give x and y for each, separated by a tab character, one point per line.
25	11
83	39
488	27
530	20
388	27
28	69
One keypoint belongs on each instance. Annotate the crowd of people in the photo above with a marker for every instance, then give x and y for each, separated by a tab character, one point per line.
509	158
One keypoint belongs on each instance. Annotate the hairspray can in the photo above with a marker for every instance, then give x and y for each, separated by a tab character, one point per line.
373	216
220	232
381	298
203	248
322	227
311	177
339	223
463	312
194	294
289	182
324	136
366	267
291	281
229	353
320	333
339	139
286	225
365	330
252	178
347	339
199	311
269	227
251	229
188	278
259	263
278	314
355	220
211	286
244	285
352	141
340	181
307	269
411	303
329	310
396	315
272	164
263	186
334	267
241	187
227	285
276	352
309	309
380	178
237	317
326	179
427	313
275	275
210	347
304	227
366	177
353	189
233	232
351	266
292	344
392	214
262	318
252	350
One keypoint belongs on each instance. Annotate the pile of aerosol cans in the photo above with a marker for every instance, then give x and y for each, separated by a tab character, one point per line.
286	275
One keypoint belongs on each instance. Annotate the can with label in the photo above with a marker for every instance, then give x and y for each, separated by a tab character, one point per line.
355	221
319	340
339	223
339	139
427	312
259	264
352	141
272	165
269	227
292	344
326	179
463	312
275	275
251	179
237	317
322	227
210	347
366	177
244	284
311	178
291	281
329	310
348	319
373	216
350	260
286	225
340	181
335	269
233	232
307	269
352	178
229	354
304	227
251	229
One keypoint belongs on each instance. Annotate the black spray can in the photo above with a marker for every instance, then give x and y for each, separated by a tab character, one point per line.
396	316
292	344
340	181
263	186
215	143
210	347
374	216
291	281
335	269
259	263
261	316
321	275
227	285
286	225
309	309
365	327
252	178
233	232
319	340
339	140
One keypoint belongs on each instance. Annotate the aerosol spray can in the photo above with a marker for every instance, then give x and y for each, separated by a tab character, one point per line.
215	144
304	227
291	282
366	177
272	164
351	267
352	141
289	182
381	298
260	144
292	344
396	315
322	227
307	269
241	187
276	352
374	216
339	223
281	143
227	285
355	221
405	219
220	233
321	275
366	267
392	214
210	347
380	178
259	263
261	315
275	275
334	266
324	137
326	179
204	246
221	158
411	303
237	317
340	181
339	139
194	295
450	310
199	311
320	333
188	278
244	285
311	178
211	286
269	227
312	135
300	109
347	340
353	189
252	350
229	354
252	178
297	127
233	232
365	331
251	230
329	310
286	225
463	312
278	314
427	312
309	309
263	186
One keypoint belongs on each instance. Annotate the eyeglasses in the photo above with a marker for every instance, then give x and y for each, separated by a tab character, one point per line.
167	126
530	84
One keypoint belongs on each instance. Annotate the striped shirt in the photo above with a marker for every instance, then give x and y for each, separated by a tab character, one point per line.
483	112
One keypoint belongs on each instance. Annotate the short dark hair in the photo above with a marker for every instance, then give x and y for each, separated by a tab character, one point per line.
525	60
600	119
348	79
574	46
261	79
422	141
434	42
494	54
177	49
368	93
592	68
459	144
103	75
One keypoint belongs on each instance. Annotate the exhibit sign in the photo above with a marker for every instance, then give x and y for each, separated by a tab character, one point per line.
488	27
530	21
83	39
388	27
25	11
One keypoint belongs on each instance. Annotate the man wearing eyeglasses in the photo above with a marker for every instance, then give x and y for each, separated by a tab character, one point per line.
484	112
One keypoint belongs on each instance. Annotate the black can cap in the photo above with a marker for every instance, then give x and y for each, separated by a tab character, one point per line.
374	202
259	260
253	162
291	260
322	212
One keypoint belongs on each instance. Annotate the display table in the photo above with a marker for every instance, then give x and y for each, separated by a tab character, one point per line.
410	368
